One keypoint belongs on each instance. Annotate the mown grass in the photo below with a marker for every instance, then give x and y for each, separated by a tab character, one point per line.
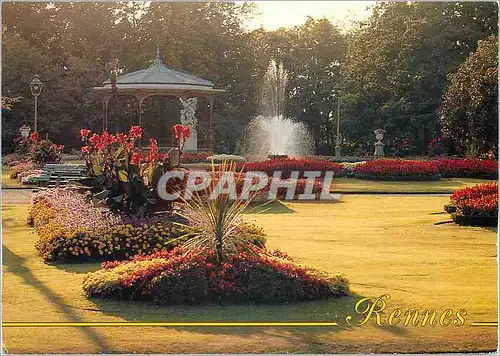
7	181
444	185
383	244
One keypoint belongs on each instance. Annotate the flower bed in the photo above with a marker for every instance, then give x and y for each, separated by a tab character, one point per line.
177	277
20	168
70	227
287	166
468	168
27	177
195	157
263	194
477	205
223	157
397	170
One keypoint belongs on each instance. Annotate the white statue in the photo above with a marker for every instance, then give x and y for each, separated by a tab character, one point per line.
188	111
188	119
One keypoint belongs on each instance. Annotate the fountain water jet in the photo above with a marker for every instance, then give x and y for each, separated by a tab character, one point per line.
272	133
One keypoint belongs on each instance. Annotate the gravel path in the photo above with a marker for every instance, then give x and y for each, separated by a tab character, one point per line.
16	196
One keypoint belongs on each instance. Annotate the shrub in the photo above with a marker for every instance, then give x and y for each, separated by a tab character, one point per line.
43	151
177	277
397	169
70	227
468	168
477	205
288	165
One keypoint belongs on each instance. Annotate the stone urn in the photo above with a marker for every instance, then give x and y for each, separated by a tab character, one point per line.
379	145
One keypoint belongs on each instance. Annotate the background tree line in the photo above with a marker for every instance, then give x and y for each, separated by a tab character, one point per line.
408	69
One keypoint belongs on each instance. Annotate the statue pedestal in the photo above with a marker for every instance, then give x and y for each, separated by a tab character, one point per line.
192	141
379	149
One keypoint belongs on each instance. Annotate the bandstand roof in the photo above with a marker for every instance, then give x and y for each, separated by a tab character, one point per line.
157	79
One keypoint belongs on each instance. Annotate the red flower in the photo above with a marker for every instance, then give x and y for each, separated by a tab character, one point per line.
135	132
94	140
34	137
84	133
85	150
136	159
122	138
181	131
162	156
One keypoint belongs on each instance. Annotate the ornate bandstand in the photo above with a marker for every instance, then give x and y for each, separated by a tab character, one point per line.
158	79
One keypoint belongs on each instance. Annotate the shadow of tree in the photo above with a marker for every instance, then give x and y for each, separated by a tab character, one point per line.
77	267
273	207
334	310
15	265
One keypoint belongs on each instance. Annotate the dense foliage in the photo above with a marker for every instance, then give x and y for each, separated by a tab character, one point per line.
177	277
396	66
393	68
477	205
469	113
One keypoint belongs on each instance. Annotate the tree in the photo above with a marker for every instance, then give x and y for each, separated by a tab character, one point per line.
396	65
469	113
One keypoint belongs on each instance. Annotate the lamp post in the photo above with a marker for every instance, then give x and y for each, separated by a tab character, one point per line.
36	89
338	137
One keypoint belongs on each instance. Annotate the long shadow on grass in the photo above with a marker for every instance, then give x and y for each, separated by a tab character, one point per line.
15	265
321	311
79	267
273	207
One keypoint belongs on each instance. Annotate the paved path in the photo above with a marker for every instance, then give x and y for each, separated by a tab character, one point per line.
16	196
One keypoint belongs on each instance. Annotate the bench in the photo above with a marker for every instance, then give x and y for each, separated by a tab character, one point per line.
60	174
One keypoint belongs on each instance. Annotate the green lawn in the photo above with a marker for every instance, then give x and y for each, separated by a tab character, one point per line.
383	244
8	182
444	185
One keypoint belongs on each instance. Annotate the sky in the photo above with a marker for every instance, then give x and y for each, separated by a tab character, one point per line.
275	14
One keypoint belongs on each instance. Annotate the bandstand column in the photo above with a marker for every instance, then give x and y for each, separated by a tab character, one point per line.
211	122
105	102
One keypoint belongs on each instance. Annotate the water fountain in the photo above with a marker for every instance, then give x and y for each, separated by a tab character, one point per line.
273	134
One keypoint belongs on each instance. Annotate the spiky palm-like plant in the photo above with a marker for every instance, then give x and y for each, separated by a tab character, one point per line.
214	217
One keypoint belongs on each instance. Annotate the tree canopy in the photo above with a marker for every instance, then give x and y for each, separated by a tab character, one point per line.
393	67
469	113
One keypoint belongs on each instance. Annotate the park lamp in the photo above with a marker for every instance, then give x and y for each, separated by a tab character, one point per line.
36	86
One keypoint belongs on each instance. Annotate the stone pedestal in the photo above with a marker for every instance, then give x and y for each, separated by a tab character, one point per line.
173	156
379	149
192	141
